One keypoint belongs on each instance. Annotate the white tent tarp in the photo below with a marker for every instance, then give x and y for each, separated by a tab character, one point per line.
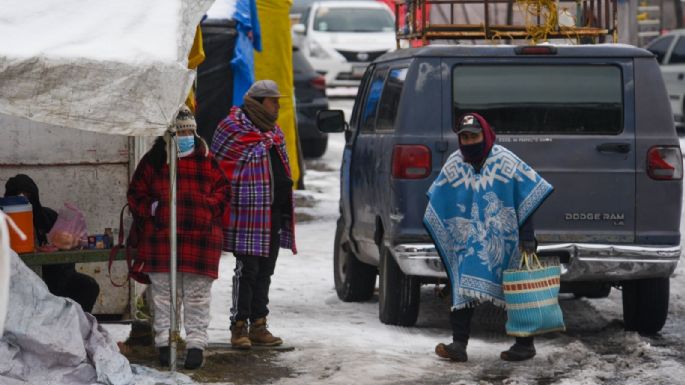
51	340
117	67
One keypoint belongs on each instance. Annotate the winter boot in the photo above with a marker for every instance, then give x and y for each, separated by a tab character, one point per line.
239	336
456	351
164	355
193	358
523	349
260	335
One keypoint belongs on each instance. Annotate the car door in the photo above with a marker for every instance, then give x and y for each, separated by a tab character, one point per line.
572	120
673	72
365	165
346	181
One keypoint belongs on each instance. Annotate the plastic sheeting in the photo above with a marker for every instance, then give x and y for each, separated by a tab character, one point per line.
114	67
275	62
4	268
51	340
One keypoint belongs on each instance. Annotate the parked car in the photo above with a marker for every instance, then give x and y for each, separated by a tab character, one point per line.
341	38
593	120
670	53
310	98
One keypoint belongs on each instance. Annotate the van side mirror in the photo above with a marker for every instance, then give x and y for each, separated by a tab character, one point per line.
331	121
299	29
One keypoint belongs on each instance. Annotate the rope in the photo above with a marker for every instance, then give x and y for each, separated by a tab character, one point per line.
546	10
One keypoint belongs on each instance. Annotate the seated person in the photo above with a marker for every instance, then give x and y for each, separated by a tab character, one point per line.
61	279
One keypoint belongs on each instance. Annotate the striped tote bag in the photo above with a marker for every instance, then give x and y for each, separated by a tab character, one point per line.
531	293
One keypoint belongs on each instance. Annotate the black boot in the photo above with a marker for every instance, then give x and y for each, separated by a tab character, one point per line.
456	351
164	353
523	349
193	358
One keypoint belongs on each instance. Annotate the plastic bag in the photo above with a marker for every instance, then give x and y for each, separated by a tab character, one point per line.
69	230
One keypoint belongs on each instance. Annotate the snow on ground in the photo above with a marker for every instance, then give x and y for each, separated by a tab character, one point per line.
345	343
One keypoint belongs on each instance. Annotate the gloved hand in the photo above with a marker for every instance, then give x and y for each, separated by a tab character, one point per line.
528	245
153	208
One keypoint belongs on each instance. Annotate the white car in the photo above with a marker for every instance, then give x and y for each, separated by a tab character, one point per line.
340	38
670	53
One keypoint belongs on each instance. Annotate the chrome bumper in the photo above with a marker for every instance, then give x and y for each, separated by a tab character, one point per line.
595	262
586	262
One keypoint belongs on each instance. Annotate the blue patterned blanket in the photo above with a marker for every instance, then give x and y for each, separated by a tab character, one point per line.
474	220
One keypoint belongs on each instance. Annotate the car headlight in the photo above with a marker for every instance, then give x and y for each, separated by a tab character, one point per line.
317	51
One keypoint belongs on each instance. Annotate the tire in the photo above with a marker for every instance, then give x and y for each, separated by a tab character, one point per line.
354	280
314	148
645	304
398	294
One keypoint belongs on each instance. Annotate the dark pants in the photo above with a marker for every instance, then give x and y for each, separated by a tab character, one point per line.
461	326
252	278
63	280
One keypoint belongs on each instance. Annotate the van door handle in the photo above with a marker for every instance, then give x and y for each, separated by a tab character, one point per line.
621	148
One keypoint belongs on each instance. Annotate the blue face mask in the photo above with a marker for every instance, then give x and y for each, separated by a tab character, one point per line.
185	143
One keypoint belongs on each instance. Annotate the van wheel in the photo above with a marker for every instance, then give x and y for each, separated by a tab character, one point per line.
398	294
354	280
645	304
314	148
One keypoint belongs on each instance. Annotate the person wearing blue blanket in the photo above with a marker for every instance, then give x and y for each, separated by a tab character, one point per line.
479	216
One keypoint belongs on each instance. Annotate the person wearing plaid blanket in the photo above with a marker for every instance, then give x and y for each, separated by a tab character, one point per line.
202	191
479	216
250	147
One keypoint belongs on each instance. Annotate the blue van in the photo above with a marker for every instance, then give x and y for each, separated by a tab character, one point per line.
595	121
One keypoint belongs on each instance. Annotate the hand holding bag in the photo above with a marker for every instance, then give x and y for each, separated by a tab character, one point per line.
531	293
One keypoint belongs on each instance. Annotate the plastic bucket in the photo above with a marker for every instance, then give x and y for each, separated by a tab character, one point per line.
20	210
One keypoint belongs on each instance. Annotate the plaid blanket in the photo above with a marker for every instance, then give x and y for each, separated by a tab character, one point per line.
243	153
474	220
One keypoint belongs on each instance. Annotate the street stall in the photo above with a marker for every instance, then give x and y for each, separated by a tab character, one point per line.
83	77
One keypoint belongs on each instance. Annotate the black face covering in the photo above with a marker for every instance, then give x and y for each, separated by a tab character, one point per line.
473	153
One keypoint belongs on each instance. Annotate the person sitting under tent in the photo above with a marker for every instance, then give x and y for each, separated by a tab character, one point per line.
62	279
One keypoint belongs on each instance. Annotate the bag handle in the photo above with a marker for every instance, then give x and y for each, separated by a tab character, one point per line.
530	261
115	250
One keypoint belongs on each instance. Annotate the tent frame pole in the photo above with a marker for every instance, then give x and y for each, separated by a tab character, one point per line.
173	323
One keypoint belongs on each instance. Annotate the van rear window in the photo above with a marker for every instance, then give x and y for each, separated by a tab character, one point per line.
536	99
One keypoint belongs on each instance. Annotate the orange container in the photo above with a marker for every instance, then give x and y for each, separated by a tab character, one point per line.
21	213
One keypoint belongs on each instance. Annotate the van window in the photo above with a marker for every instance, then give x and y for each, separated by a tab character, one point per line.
678	54
659	48
550	99
368	118
390	99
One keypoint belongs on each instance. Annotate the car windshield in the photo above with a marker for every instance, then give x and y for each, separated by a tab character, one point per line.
353	20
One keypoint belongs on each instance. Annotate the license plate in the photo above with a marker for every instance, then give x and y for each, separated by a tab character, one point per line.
358	71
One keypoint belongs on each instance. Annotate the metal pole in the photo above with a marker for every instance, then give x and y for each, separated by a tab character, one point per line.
173	325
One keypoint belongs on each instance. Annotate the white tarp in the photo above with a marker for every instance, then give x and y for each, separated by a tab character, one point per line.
4	268
51	340
117	67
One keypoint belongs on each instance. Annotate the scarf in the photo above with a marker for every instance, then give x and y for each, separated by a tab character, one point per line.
263	119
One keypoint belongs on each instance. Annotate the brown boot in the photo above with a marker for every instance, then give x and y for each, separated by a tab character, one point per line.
239	336
260	335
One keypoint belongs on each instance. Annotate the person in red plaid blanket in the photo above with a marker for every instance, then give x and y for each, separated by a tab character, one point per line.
202	193
251	150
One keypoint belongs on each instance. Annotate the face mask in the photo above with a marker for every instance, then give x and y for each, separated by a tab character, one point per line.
472	152
186	144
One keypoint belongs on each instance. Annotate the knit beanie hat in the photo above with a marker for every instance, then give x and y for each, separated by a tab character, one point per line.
185	120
